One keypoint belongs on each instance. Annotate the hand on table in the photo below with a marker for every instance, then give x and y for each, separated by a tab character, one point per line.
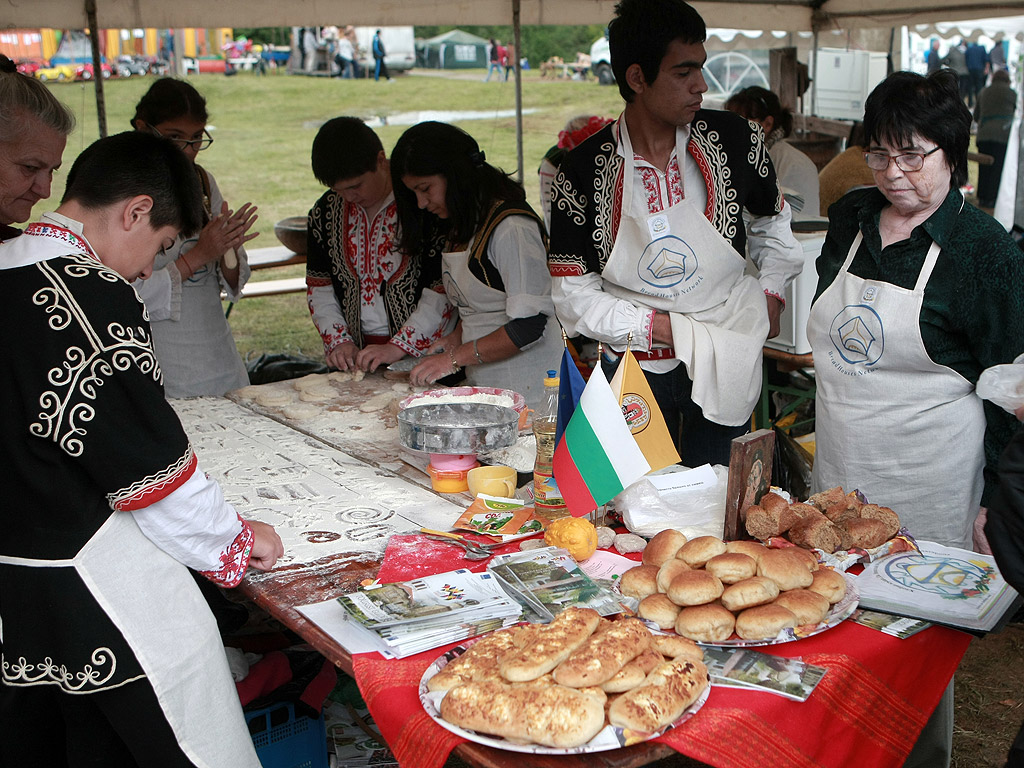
266	546
374	355
430	369
343	356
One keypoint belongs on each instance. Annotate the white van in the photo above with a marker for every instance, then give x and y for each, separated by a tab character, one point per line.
601	61
399	47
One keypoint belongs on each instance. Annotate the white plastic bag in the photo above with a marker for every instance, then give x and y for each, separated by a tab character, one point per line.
1003	385
700	512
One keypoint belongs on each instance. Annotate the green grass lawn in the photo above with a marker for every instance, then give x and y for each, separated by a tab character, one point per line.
264	127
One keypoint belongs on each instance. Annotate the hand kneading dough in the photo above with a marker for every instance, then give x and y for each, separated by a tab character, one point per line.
663	547
554	716
661	698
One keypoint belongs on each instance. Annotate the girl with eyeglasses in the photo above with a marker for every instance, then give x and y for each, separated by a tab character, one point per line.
191	336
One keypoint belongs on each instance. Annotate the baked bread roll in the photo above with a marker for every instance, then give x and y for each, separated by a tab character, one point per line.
787	569
826	499
886	515
710	623
841	511
659	609
748	593
554	716
816	533
669	571
640	581
698	551
627	678
752	549
829	584
731	567
661	698
603	654
809	558
663	547
554	643
694	588
478	663
674	646
808	607
764	622
866	533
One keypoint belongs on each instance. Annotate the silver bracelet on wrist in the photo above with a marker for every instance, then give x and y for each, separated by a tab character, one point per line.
476	352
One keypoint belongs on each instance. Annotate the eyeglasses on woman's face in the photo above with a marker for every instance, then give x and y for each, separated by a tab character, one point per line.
198	144
907	161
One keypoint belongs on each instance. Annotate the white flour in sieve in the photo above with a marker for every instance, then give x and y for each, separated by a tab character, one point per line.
476	397
521	455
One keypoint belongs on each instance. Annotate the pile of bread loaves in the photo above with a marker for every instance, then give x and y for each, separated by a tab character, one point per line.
707	589
558	684
830	521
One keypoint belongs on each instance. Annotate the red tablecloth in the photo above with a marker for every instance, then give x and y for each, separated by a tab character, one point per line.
867	711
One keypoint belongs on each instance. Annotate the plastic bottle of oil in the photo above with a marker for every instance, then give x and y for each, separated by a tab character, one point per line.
547	500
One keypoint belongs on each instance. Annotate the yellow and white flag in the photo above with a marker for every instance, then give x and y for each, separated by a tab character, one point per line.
643	417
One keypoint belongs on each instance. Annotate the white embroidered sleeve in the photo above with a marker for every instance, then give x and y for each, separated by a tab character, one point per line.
327	317
773	249
198	528
583	307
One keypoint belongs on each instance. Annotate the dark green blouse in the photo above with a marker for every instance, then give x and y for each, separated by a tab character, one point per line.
973	312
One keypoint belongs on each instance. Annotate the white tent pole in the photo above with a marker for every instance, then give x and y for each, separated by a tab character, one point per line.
517	44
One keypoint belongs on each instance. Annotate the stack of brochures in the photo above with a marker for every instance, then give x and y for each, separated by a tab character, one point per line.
744	668
417	615
939	584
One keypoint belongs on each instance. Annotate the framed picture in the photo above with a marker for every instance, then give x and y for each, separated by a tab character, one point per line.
750	476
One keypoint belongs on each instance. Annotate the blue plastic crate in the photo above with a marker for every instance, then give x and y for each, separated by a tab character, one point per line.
283	740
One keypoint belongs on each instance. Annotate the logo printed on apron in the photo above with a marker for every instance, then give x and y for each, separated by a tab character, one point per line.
858	335
667	262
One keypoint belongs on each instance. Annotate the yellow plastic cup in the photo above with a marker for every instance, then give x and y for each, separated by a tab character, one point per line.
492	481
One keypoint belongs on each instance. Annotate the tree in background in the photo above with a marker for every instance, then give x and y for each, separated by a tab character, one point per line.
539	43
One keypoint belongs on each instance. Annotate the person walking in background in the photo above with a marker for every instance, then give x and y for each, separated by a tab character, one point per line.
994	115
380	67
509	61
345	58
956	59
494	50
977	70
997	56
932	58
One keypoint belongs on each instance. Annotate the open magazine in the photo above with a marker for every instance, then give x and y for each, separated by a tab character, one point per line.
940	584
745	668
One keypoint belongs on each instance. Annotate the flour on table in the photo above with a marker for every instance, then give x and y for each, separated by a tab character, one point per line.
521	455
318	394
300	411
274	398
249	392
310	381
377	402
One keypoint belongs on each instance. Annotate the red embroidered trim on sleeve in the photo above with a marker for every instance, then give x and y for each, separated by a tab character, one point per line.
155	487
234	559
775	295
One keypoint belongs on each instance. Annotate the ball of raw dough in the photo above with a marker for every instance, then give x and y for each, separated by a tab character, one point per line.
629	542
605	537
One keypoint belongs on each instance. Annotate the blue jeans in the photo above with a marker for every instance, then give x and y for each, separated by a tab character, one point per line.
698	440
491	67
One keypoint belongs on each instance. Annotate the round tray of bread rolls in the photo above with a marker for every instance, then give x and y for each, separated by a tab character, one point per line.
737	593
581	683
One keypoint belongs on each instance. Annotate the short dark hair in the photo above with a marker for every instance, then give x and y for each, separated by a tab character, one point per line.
756	103
641	32
906	104
137	163
169	99
472	184
344	147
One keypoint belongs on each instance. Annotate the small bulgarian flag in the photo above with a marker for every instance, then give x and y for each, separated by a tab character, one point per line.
597	456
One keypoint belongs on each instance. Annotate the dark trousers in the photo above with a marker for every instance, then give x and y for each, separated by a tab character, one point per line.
989	176
380	68
698	440
42	727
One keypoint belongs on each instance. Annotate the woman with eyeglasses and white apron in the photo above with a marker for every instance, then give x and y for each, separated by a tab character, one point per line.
494	268
918	293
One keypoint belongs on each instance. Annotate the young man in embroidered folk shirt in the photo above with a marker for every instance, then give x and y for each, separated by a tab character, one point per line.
109	650
371	303
648	238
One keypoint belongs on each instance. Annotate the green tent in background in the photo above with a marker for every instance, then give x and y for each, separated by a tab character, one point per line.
453	50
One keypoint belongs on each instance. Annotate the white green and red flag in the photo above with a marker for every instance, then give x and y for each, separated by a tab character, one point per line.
597	456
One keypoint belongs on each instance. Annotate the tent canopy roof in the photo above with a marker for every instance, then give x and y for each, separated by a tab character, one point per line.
456	36
739	14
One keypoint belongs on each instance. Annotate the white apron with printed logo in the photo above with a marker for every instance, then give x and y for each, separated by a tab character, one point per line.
906	432
676	261
482	310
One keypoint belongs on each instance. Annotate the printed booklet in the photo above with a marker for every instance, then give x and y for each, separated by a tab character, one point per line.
744	668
